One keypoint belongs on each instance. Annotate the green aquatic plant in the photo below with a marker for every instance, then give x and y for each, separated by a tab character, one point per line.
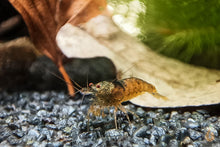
187	30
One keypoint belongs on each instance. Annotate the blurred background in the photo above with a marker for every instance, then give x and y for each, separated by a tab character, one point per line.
187	30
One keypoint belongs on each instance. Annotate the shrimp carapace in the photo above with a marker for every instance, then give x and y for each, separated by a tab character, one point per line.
116	92
107	94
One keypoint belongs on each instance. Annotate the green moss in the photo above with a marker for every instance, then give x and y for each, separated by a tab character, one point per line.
187	30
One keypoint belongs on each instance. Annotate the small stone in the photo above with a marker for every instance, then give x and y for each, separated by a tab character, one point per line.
18	133
149	121
55	144
70	121
47	106
12	140
153	140
181	133
211	130
41	113
173	114
45	96
158	131
202	111
99	142
4	133
213	119
67	111
3	114
61	124
34	120
131	129
48	133
113	133
36	96
33	133
9	108
140	112
33	106
191	123
141	132
165	139
173	143
51	126
186	142
67	130
161	111
146	141
197	116
41	137
138	141
205	123
151	114
186	114
167	116
13	126
194	135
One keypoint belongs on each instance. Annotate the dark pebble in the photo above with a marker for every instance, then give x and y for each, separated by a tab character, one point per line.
173	143
158	131
141	132
45	96
33	133
51	126
167	116
213	119
3	114
181	134
153	140
19	133
47	106
146	141
55	144
165	139
140	112
34	120
49	133
13	126
151	114
113	133
191	123
149	120
194	135
187	114
202	111
138	141
4	133
12	140
41	137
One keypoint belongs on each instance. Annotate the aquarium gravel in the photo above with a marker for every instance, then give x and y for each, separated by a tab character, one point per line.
53	119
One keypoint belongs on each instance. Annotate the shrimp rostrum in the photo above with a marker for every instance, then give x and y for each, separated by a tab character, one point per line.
111	94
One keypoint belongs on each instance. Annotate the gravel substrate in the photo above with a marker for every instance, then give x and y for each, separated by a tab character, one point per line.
53	119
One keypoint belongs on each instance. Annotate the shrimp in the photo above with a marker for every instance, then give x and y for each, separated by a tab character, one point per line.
112	94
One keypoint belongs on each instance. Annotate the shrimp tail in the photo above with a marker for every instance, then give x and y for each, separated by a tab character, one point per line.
159	96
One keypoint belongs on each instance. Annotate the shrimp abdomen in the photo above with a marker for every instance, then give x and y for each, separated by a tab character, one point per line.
132	87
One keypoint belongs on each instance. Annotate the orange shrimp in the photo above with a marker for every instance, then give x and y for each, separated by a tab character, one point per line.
108	94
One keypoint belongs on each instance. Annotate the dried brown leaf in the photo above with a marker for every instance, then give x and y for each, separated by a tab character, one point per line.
44	17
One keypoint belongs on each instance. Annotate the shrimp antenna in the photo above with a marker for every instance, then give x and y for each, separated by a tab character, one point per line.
64	80
86	88
119	72
129	68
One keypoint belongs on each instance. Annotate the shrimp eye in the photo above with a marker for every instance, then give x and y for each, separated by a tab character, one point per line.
98	86
90	84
